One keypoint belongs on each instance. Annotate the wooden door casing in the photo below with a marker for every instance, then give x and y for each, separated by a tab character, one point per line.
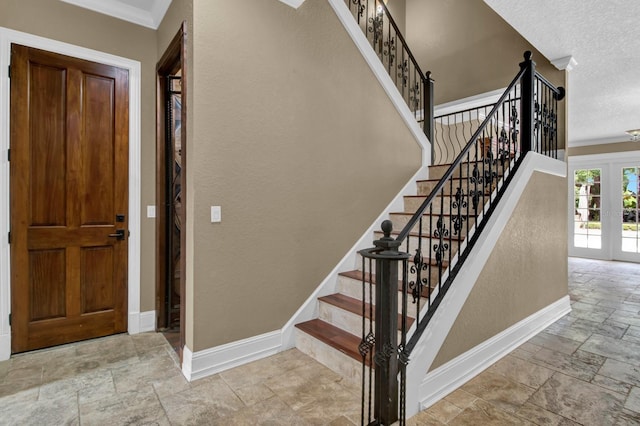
69	181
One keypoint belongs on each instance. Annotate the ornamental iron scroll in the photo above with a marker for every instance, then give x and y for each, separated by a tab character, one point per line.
418	267
404	72
440	247
366	344
360	7
390	49
459	202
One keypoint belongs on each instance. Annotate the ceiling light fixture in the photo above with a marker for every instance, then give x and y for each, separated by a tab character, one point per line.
635	134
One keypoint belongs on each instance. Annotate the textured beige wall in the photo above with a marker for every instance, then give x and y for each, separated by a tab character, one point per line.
61	21
296	140
398	10
470	49
526	271
622	146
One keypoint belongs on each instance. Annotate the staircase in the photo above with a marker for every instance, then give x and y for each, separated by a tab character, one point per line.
334	336
367	330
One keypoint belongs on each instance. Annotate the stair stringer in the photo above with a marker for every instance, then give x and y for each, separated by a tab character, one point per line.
309	309
445	316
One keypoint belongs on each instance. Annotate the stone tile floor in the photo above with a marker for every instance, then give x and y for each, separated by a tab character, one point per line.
583	369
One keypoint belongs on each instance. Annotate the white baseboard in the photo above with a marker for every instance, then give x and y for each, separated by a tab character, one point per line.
139	322
5	346
444	317
450	376
147	321
293	3
220	358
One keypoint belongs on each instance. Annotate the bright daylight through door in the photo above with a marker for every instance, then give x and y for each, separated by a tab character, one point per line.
630	189
587	220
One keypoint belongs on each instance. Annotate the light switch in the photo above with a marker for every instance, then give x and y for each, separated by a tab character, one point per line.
216	214
151	211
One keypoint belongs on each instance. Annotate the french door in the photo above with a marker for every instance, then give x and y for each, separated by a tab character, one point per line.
626	237
604	210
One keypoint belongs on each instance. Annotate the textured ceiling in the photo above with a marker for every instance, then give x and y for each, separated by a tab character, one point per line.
602	36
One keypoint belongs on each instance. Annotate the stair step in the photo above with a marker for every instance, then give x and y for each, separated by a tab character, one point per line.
354	306
436	172
371	278
400	220
426	186
413	202
350	286
427	242
335	337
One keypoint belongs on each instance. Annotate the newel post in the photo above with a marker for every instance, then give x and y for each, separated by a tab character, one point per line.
427	111
527	88
386	318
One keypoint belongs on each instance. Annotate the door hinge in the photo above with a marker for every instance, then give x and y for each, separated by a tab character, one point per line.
9	319
9	154
9	73
9	237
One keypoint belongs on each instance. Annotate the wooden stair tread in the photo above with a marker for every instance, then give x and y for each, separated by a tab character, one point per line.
371	278
354	306
333	336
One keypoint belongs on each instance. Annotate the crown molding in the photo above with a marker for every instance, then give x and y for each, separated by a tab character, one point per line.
598	141
293	3
567	63
146	18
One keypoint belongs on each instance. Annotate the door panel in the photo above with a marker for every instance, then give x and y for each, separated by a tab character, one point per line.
69	192
589	234
47	146
627	189
47	284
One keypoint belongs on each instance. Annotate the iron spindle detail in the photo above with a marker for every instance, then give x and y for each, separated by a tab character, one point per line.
482	148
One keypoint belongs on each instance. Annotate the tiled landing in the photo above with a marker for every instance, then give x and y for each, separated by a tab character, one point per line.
135	380
584	369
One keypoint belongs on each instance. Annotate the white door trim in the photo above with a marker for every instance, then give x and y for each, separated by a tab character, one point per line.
609	163
7	37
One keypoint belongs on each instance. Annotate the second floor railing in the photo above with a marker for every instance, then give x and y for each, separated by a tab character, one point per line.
452	131
387	41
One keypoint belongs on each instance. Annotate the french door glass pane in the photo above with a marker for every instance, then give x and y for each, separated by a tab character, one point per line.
587	226
630	189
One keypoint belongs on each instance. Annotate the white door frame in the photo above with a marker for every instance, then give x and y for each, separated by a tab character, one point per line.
610	209
7	37
616	183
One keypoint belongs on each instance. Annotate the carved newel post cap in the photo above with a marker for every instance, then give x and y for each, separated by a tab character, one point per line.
387	227
528	55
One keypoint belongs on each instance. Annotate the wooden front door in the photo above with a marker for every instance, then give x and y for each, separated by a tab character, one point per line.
69	199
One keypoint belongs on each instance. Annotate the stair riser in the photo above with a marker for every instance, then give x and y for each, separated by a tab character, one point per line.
353	288
428	226
345	320
332	358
